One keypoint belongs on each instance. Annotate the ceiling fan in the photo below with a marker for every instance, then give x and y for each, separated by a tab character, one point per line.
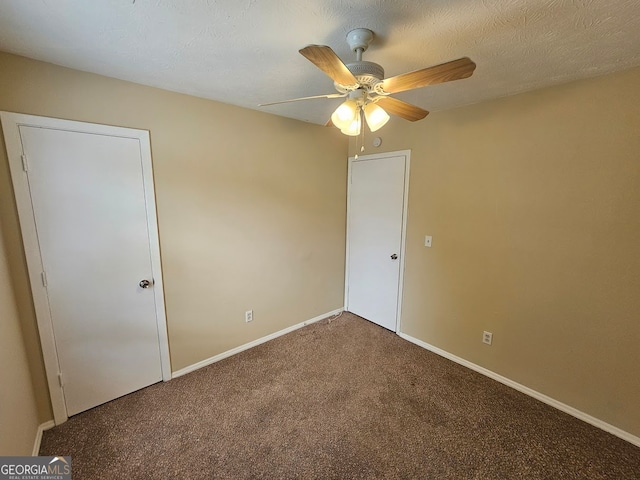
366	90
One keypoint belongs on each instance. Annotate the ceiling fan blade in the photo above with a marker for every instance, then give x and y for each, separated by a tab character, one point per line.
329	123
402	109
445	72
330	95
326	60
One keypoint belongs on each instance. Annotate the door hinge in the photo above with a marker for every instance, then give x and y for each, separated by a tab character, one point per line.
60	380
25	164
44	279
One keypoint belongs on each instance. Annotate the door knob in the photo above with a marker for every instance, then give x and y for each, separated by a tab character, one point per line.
394	257
145	283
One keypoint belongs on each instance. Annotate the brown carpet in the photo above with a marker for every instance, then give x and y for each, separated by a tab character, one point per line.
341	399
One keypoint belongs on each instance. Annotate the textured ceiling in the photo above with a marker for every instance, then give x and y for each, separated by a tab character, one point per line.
245	52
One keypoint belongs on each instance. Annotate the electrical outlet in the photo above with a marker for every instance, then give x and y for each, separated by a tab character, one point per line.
428	239
487	337
248	316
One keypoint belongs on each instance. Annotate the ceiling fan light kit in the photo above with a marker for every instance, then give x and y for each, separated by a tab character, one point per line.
345	114
376	116
366	90
354	128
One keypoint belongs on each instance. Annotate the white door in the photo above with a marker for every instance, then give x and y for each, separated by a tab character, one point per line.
90	212
375	236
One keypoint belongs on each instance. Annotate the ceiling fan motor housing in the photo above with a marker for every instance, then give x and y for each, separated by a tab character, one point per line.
366	69
368	74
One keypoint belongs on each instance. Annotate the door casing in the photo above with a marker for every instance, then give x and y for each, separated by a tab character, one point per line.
399	153
10	125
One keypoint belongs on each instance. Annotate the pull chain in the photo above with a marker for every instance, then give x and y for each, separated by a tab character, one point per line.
362	127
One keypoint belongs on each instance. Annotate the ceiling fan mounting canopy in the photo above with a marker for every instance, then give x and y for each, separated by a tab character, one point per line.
359	39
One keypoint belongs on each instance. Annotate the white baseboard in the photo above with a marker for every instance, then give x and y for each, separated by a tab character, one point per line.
41	428
246	346
528	391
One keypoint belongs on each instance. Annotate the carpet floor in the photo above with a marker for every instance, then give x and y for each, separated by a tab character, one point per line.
339	399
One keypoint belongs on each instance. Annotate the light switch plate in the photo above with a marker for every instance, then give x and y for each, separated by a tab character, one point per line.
427	241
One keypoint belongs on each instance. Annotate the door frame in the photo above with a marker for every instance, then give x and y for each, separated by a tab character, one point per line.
11	122
405	202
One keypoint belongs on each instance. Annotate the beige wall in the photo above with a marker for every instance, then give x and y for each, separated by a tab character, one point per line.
18	410
533	202
251	208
